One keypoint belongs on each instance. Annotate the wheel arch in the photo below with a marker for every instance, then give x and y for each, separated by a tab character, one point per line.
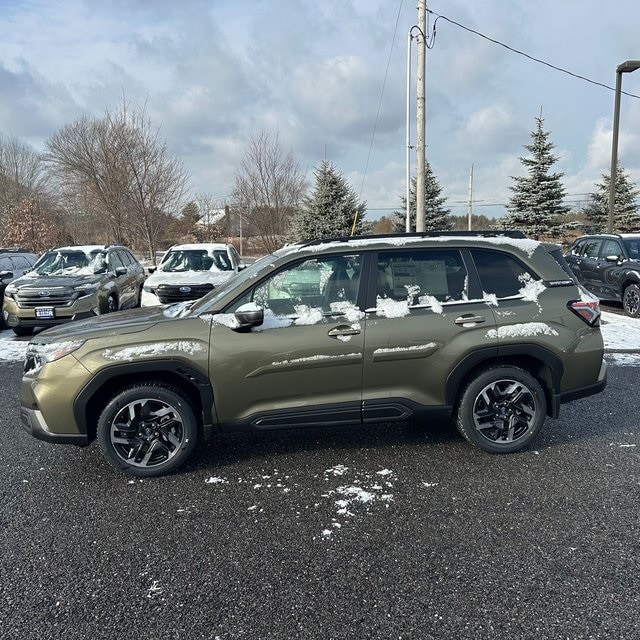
628	279
90	402
541	363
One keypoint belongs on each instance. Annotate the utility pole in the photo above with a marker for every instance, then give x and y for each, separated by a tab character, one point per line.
421	116
470	209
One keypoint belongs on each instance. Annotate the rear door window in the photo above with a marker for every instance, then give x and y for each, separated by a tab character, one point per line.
610	248
420	276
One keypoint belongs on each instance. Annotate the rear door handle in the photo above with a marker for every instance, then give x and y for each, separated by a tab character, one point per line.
469	320
343	330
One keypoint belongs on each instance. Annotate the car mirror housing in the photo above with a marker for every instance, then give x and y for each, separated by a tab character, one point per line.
249	315
613	258
6	274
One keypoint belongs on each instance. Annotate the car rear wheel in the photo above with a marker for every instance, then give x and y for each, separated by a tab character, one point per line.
502	409
147	430
631	300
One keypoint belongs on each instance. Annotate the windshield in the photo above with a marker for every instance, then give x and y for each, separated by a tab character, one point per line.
204	305
71	263
196	260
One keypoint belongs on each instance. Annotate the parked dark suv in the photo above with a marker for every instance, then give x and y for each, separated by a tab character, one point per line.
608	265
488	329
13	264
69	283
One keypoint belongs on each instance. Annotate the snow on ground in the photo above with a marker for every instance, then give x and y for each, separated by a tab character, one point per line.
621	340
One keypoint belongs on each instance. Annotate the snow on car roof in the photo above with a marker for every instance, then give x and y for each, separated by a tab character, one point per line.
203	246
526	245
84	248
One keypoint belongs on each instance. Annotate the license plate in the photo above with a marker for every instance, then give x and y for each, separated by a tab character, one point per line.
45	313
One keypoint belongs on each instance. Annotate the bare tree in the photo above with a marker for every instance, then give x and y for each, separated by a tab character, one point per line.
157	180
268	188
122	164
86	155
33	226
80	215
22	174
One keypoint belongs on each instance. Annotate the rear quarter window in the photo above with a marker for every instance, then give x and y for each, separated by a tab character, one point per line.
500	273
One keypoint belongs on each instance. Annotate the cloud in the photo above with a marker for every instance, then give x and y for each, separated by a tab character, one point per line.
495	128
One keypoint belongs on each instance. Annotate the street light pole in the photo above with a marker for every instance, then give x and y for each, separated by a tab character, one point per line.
626	67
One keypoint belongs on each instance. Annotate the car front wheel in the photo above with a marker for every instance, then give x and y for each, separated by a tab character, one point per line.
23	331
147	430
502	409
631	300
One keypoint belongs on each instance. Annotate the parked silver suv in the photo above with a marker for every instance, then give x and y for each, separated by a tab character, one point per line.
13	264
75	282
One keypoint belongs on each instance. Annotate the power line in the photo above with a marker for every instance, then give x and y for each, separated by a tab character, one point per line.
522	53
384	82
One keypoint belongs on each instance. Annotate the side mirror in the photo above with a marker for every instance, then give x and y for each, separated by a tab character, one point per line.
612	258
241	266
249	315
151	269
121	271
6	274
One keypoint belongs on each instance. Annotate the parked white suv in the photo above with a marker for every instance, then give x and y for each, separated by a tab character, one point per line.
190	271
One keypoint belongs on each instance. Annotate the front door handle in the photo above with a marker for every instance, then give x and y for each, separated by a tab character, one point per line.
343	330
469	320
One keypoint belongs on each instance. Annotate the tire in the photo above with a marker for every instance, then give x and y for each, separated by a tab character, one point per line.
147	430
501	410
631	300
112	305
23	331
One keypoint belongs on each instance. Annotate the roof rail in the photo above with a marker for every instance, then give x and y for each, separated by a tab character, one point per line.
507	233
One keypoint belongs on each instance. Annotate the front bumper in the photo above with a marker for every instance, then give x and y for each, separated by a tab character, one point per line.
34	424
15	316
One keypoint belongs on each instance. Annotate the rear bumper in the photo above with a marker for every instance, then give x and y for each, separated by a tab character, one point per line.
34	424
582	392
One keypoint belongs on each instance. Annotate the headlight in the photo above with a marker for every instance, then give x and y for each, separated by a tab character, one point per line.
87	289
39	354
10	289
148	288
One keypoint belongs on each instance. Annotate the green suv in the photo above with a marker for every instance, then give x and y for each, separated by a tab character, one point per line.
489	329
69	283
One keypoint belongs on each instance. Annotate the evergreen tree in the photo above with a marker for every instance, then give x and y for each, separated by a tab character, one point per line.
331	208
536	205
436	216
626	216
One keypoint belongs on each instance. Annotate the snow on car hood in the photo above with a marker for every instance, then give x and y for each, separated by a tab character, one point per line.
58	279
188	277
109	324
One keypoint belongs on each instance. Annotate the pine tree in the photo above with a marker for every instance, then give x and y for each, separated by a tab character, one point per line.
331	208
626	216
436	216
536	205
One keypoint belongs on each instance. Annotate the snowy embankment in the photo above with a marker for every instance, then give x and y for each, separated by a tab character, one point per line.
621	340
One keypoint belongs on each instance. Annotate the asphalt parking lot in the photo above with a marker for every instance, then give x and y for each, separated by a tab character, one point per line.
389	532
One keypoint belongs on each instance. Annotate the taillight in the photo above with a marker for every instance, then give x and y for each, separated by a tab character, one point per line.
588	310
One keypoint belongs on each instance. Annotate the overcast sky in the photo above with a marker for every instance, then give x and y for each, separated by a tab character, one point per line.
213	72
